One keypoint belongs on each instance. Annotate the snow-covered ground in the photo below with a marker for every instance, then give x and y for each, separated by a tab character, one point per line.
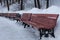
10	30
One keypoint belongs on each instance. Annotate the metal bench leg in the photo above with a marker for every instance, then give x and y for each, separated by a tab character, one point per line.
43	31
46	33
52	34
17	20
40	33
28	25
25	25
32	27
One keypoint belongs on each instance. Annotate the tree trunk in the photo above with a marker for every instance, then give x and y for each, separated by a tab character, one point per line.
21	4
18	1
7	4
1	2
38	3
4	1
10	2
47	3
35	3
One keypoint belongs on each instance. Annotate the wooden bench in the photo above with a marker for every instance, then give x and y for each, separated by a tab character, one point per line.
0	14
15	16
43	22
25	17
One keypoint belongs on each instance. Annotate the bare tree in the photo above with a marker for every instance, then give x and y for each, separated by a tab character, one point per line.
12	1
7	4
37	3
1	2
4	1
18	1
47	3
21	4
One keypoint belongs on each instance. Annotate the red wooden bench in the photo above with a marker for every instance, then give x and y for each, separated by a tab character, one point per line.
25	17
15	16
44	22
0	14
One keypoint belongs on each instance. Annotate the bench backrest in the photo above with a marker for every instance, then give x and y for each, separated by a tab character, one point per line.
52	16
48	20
9	14
12	14
26	16
1	14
